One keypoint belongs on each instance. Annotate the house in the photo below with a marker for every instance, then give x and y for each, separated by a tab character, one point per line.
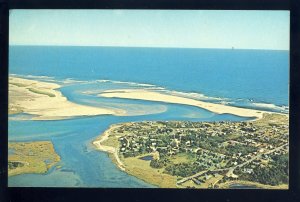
248	170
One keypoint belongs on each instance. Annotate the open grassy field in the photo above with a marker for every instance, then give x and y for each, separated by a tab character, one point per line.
182	158
141	169
31	157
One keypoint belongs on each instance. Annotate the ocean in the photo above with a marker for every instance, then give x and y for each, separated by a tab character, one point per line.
249	78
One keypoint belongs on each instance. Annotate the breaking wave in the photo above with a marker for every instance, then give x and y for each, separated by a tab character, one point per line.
271	106
126	82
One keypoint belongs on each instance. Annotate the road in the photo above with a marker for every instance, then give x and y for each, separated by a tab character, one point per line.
231	169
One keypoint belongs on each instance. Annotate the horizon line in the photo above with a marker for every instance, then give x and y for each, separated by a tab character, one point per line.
229	48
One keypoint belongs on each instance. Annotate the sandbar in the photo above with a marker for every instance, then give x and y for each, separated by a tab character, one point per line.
161	97
45	102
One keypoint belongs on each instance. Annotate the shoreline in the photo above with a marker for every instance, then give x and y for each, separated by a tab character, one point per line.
142	170
166	98
108	149
36	157
126	166
45	102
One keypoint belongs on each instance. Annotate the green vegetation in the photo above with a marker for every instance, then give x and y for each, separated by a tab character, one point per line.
274	173
18	84
31	157
184	169
143	170
238	148
13	165
34	90
206	154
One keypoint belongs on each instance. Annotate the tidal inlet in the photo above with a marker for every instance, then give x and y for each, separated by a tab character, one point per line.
125	103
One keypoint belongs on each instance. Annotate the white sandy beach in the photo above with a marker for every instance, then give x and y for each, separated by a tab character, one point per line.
160	97
43	100
109	149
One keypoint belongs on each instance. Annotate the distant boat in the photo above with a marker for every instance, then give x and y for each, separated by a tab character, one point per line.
232	48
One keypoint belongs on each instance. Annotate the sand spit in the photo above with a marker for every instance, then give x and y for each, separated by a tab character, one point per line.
43	100
160	97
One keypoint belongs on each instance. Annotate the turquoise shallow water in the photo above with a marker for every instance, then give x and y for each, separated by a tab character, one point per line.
249	78
82	165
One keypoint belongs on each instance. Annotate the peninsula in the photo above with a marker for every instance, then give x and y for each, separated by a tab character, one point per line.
184	154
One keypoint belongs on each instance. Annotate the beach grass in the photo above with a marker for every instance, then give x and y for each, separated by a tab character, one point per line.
34	90
142	170
18	84
112	141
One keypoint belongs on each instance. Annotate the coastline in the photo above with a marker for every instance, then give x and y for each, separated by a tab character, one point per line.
160	97
45	102
31	157
142	171
109	149
108	142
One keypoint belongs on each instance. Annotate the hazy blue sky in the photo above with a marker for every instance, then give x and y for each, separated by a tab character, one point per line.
151	28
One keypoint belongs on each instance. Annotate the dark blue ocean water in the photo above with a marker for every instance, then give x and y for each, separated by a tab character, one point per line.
250	78
261	76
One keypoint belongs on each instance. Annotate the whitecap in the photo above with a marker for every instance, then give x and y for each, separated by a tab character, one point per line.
193	95
271	106
125	82
38	77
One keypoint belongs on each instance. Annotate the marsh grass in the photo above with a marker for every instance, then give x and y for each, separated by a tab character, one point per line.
31	157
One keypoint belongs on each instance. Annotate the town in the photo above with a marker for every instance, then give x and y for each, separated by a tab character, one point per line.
211	154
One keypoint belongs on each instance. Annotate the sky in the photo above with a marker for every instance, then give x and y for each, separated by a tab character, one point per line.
151	28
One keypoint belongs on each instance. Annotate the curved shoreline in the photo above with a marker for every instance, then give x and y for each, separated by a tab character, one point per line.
43	100
32	157
109	149
166	98
126	167
139	169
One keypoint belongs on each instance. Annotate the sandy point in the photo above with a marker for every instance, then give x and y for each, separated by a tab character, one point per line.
46	102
